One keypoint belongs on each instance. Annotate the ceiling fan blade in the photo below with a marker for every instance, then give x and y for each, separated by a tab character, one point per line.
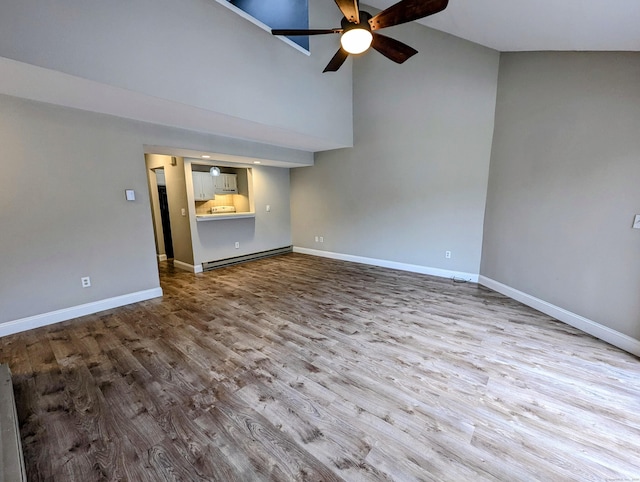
392	49
336	62
349	9
294	32
406	11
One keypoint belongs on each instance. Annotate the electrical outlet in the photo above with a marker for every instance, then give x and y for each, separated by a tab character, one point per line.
86	282
237	245
317	239
268	208
183	211
447	254
322	239
636	222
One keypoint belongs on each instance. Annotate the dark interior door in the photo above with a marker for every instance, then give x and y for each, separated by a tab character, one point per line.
166	224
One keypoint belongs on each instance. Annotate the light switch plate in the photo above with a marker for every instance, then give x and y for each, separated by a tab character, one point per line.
130	194
636	222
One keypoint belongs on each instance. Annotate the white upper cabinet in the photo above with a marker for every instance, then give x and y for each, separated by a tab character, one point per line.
226	184
204	187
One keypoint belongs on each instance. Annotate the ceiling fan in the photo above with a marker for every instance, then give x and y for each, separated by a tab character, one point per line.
358	29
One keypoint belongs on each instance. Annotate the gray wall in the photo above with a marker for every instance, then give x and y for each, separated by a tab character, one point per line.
414	184
563	186
63	213
195	52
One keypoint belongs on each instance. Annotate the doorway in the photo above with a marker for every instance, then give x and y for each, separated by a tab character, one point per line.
166	223
159	196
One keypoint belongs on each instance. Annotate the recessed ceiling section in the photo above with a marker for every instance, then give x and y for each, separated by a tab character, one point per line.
525	25
216	156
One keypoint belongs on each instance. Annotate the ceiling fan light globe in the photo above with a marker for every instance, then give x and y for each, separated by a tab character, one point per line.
356	40
214	171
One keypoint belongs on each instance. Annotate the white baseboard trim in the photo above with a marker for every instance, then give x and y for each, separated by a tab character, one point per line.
36	321
620	340
187	267
414	268
162	257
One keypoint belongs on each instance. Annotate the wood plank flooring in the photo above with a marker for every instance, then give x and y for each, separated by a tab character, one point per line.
298	368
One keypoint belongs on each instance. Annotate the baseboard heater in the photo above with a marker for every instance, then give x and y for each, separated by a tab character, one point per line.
209	265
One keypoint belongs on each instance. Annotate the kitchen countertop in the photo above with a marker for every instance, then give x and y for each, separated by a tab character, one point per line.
219	216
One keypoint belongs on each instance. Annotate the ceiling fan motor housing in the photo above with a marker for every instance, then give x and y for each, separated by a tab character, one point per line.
364	22
356	37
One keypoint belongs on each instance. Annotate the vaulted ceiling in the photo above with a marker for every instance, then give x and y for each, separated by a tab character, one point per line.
526	25
504	25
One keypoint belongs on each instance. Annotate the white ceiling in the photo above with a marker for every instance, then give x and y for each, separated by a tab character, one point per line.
529	25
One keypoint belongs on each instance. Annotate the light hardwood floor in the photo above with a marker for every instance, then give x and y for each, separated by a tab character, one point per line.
303	368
